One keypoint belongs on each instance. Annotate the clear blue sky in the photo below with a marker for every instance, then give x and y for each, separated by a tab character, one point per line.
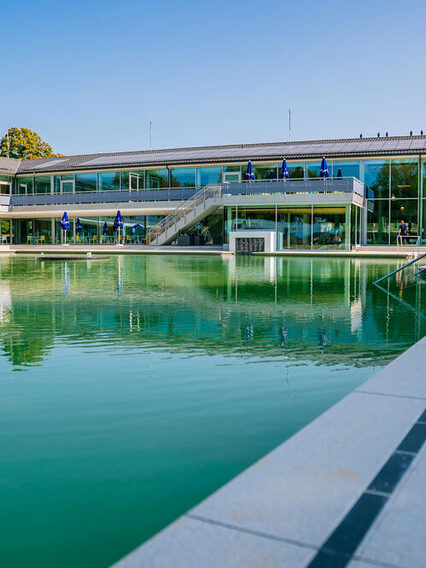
89	76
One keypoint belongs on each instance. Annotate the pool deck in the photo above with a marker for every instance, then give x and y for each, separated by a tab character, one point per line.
347	490
360	252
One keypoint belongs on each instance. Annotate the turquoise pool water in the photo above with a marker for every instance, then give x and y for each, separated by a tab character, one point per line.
130	389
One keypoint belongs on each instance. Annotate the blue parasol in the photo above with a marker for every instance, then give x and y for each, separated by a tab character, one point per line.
324	169
65	224
339	173
284	171
118	221
137	226
272	176
78	225
250	172
105	228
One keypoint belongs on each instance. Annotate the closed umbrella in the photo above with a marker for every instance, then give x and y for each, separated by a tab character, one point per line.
78	225
284	171
339	173
65	226
118	224
250	172
272	175
105	228
324	173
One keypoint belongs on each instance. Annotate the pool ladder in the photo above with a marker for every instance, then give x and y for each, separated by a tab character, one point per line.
402	268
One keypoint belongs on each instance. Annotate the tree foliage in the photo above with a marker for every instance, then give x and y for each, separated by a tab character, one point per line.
25	144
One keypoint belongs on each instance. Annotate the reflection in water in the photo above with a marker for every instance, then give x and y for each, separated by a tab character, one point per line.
152	380
193	303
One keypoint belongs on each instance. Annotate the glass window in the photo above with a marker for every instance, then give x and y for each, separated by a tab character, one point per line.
348	168
404	178
109	181
378	222
157	178
232	168
209	176
263	171
296	227
295	171
42	184
84	182
256	218
403	210
376	177
313	169
5	185
135	179
424	221
25	185
183	177
329	227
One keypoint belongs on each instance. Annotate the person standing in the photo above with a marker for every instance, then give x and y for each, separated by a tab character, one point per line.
402	231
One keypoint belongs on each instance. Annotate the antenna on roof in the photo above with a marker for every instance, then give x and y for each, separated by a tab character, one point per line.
289	125
150	134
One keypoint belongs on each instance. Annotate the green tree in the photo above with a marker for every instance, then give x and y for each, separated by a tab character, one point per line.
25	144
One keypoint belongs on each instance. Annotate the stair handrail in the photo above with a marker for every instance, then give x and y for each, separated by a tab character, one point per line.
400	268
207	192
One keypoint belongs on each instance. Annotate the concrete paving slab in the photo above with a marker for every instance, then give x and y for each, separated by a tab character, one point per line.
406	376
305	487
399	534
192	543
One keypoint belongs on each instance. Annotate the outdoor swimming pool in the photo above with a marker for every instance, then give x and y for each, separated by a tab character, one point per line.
131	389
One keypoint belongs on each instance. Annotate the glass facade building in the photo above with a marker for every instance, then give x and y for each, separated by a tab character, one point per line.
394	182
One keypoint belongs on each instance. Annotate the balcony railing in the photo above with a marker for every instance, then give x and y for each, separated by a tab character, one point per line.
173	194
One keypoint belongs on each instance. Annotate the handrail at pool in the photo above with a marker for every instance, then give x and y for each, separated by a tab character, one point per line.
400	268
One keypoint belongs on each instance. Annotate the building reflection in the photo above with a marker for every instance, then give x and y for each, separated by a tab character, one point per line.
326	312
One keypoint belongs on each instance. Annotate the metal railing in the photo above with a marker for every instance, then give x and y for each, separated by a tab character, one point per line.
208	192
400	268
309	185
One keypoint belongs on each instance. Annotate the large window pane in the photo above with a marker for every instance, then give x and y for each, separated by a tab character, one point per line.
42	184
133	180
403	210
313	169
376	177
404	178
109	181
378	222
256	218
299	223
209	176
348	168
183	177
25	185
263	171
295	171
157	178
329	227
85	182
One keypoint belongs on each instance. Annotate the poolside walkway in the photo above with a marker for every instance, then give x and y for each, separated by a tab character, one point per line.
347	490
361	252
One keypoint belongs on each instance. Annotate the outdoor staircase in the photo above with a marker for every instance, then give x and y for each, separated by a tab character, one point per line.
190	212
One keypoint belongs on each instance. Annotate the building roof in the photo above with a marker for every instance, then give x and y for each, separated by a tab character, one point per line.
9	166
313	149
